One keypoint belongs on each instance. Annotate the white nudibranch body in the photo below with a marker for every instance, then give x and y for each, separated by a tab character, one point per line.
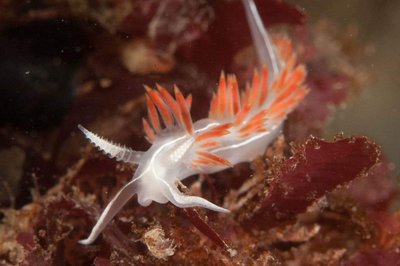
238	129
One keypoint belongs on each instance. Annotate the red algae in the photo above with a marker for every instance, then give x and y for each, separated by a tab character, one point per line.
376	257
316	168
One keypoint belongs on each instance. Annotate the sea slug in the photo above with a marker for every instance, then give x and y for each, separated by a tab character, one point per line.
239	128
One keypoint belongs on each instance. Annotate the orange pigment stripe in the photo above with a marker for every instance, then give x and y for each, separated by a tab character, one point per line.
286	103
291	61
210	144
286	93
261	130
298	75
273	85
255	88
284	48
300	94
281	80
288	49
211	134
229	104
259	115
153	116
242	114
189	101
201	162
264	86
162	107
218	131
185	115
170	102
281	115
296	95
248	133
277	107
235	94
214	158
245	135
205	161
213	107
246	95
252	126
149	132
252	122
222	95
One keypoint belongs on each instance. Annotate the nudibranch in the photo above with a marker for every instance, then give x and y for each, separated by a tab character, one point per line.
239	127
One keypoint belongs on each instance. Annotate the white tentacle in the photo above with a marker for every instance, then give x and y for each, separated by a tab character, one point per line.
113	150
114	206
183	201
262	41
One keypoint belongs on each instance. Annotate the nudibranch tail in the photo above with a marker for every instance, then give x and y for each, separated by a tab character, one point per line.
115	151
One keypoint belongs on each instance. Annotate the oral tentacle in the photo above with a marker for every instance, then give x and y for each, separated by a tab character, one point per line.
114	151
114	206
